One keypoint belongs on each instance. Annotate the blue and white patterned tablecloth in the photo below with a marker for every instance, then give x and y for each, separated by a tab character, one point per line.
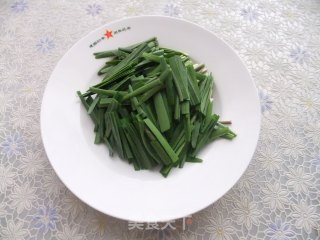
279	195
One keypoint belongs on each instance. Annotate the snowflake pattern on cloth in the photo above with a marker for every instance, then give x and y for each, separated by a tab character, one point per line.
276	198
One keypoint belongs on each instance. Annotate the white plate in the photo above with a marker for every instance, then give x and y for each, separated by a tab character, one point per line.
110	185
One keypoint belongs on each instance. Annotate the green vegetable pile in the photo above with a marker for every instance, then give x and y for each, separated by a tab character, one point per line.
153	106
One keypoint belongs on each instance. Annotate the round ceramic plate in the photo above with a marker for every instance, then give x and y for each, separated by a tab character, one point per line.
110	185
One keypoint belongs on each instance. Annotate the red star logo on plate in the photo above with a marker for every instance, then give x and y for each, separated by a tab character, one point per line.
108	34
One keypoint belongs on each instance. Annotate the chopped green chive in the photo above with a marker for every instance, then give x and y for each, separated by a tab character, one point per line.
153	106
